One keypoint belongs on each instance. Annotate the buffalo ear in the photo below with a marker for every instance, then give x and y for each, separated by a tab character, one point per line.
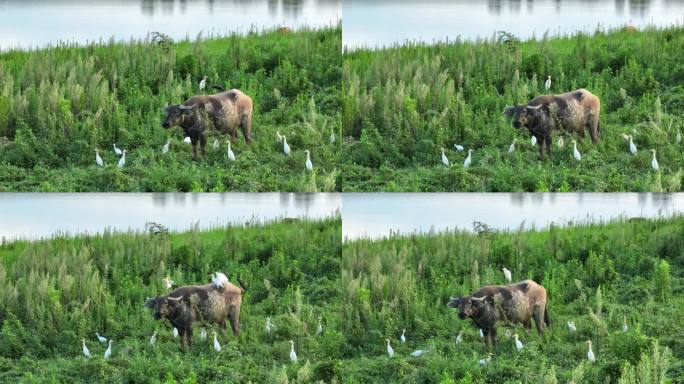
508	111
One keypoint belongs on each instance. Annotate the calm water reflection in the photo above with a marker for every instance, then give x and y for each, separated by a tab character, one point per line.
35	215
376	214
31	23
374	23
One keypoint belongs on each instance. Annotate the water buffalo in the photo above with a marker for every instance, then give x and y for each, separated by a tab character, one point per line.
206	303
573	112
226	110
512	303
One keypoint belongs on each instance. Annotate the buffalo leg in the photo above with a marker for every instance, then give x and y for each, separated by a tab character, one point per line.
203	143
540	145
194	148
539	320
188	335
235	322
548	144
594	129
246	125
528	324
492	336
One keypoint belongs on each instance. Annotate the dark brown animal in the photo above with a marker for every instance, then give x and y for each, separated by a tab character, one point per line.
513	303
572	112
226	110
205	303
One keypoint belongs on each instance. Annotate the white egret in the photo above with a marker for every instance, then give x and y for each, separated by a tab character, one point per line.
231	155
165	148
122	160
86	352
269	326
100	338
279	137
153	339
216	144
518	343
203	83
590	353
187	140
678	138
203	334
308	164
511	148
458	147
481	334
571	326
654	162
98	159
168	283
286	148
419	352
319	327
293	354
332	136
507	274
533	140
217	346
547	83
459	338
575	152
445	160
175	332
560	142
108	352
632	147
469	159
625	328
219	279
117	150
390	350
487	360
403	336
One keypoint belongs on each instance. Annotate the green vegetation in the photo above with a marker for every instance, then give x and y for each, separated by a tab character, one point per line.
400	105
58	104
54	292
594	275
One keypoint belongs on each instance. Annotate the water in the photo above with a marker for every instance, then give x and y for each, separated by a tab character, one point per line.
376	214
377	23
38	215
35	23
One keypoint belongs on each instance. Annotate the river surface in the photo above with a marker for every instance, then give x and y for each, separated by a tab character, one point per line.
378	23
374	215
36	23
40	215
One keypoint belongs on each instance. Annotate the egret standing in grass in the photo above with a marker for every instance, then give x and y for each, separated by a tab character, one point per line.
286	148
468	159
403	336
560	142
203	83
293	354
175	332
625	328
165	148
269	326
217	346
632	147
458	147
518	343
332	136
216	144
481	334
231	155
98	159
390	350
590	353
445	160
319	328
86	352
507	274
153	339
117	150
654	162
678	138
100	338
511	148
308	164
575	152
108	352
122	160
547	83
487	360
571	326
279	137
203	334
533	140
459	338
419	352
168	283
187	140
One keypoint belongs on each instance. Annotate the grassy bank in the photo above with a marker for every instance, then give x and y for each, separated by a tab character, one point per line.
400	105
54	292
58	104
594	275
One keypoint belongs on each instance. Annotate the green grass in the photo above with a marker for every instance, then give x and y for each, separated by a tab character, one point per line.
594	274
56	291
401	104
60	103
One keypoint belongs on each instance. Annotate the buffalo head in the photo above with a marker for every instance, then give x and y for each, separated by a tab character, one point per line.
177	113
523	115
468	306
164	306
